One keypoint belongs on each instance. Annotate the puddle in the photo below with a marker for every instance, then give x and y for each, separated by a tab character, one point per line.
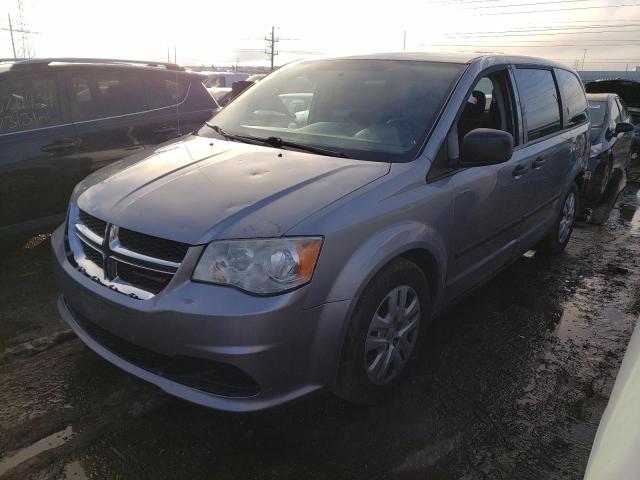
571	326
74	471
570	323
47	443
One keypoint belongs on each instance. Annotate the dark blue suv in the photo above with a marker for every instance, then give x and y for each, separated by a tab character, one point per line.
61	119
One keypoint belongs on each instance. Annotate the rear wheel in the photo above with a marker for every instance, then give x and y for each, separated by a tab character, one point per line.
556	241
384	333
598	183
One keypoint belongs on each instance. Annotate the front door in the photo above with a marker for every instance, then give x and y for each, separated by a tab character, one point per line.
488	200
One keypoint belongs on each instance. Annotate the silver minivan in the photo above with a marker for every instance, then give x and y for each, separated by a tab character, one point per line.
308	233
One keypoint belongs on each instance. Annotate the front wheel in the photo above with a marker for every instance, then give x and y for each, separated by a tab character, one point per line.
556	240
384	333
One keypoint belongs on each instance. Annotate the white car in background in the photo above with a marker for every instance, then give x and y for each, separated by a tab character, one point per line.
614	455
219	83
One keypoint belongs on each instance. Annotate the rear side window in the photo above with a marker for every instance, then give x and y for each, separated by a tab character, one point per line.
28	103
101	95
165	92
539	97
574	101
597	113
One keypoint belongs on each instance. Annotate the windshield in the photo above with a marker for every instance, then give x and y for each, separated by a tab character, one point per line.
366	109
597	112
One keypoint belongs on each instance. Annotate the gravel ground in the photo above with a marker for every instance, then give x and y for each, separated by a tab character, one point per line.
513	385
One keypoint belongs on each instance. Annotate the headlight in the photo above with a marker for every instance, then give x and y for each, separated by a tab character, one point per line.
261	266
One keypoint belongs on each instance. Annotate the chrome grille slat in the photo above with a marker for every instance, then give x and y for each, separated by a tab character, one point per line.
132	263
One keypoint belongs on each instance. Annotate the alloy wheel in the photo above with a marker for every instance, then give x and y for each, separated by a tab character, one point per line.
566	220
392	335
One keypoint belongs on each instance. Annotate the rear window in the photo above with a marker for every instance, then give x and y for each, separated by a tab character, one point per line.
105	94
539	96
574	101
165	92
28	103
597	113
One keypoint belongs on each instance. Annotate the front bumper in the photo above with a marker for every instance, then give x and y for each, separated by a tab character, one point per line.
212	345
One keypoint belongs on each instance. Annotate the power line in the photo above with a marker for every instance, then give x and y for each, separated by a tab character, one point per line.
551	27
471	45
526	4
560	9
542	34
543	29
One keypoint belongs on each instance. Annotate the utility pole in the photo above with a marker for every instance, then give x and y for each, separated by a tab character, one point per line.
13	43
271	47
583	57
175	54
168	55
404	42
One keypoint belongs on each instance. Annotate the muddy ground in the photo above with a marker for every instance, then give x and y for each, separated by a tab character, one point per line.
513	386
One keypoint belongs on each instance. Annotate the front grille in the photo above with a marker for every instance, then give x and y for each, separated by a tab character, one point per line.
129	262
94	224
199	373
92	254
148	280
152	246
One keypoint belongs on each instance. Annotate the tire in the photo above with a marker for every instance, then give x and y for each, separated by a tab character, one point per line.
369	338
598	184
556	240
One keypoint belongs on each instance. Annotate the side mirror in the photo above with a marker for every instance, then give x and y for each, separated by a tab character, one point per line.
623	127
486	146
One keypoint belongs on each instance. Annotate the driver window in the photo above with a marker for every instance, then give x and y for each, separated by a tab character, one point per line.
489	105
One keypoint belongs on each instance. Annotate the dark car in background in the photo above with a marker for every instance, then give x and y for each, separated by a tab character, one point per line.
611	141
61	119
629	93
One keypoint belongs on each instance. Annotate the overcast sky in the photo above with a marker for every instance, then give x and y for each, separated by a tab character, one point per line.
232	31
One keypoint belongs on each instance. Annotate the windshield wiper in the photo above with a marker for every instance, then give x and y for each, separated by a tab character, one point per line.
275	142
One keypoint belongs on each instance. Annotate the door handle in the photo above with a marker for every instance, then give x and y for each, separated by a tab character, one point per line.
538	163
520	170
60	145
165	129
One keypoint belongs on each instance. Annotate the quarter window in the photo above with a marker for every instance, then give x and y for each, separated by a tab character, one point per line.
165	92
27	104
539	97
574	101
96	95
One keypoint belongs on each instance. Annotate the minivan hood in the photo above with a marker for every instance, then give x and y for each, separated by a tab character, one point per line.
198	189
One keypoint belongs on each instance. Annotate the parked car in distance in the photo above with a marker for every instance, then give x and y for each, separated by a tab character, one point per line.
611	141
256	77
262	258
219	83
61	119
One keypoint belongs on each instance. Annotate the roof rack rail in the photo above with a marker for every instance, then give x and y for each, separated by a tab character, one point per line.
46	61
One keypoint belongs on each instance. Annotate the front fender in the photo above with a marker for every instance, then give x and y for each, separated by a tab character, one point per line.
379	250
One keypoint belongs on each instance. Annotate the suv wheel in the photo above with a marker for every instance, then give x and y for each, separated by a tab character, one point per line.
384	333
556	241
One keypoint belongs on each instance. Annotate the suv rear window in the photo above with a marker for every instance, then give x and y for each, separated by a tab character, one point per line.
105	94
28	103
539	97
165	92
574	100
